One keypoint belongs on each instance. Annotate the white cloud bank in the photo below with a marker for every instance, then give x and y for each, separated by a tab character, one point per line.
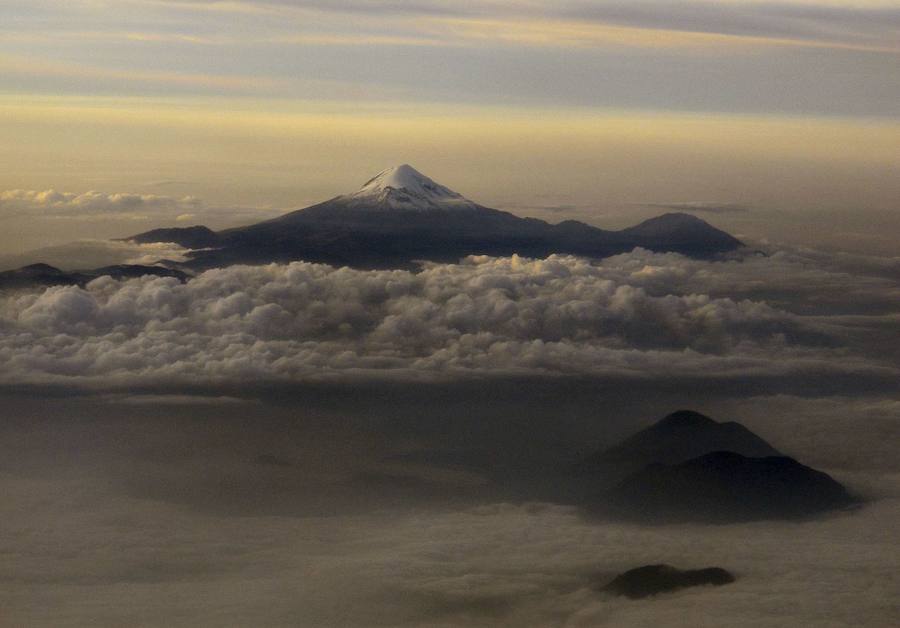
635	316
91	203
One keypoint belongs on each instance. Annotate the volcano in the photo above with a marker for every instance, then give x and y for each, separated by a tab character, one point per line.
401	217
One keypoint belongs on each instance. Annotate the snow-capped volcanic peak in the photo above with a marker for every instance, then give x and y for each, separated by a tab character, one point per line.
404	187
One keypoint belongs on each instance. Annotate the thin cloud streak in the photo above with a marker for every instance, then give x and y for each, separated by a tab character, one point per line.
702	206
643	24
866	27
30	67
645	54
579	34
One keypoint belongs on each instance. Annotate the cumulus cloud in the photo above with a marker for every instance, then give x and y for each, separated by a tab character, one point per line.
636	316
800	280
91	203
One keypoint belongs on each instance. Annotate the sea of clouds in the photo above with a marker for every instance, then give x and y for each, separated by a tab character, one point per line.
638	315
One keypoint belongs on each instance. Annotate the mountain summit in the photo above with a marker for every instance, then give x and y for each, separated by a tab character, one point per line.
674	439
401	217
404	187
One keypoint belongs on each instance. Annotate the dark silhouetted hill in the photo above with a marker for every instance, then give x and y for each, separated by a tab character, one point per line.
44	275
723	487
650	580
677	437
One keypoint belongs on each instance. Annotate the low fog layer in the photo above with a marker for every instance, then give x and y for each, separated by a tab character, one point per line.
89	254
121	513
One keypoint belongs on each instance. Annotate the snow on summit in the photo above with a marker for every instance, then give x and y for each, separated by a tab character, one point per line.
404	187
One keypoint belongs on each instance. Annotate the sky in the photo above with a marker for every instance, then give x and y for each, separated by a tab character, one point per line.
226	112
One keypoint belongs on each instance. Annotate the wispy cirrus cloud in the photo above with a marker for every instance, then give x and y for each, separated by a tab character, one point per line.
654	23
31	67
649	54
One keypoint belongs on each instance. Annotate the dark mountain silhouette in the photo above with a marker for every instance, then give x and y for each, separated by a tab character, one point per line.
44	275
39	275
723	487
130	271
678	437
654	579
681	232
196	237
401	216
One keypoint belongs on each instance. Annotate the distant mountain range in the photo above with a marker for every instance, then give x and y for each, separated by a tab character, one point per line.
688	467
46	275
676	438
401	216
397	219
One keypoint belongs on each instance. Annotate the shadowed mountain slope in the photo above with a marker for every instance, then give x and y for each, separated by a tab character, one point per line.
722	487
401	216
196	237
678	437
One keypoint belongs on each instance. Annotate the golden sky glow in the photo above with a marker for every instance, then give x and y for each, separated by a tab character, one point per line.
557	109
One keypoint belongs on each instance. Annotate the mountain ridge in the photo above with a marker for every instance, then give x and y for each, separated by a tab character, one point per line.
675	438
724	487
396	220
45	275
401	217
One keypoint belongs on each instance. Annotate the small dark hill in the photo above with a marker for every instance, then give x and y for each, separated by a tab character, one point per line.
684	233
722	487
650	580
196	237
44	275
39	275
